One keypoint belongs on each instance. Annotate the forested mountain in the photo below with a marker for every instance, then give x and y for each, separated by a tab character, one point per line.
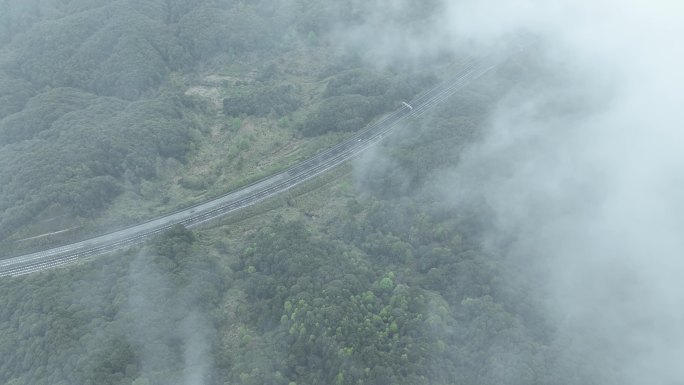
113	112
99	100
372	287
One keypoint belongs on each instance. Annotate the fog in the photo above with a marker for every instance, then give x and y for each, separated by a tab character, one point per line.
594	194
164	315
581	164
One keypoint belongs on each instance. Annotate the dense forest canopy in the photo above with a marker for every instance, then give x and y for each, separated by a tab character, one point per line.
112	112
96	96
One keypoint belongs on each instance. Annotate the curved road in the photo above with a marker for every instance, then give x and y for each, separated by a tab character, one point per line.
253	193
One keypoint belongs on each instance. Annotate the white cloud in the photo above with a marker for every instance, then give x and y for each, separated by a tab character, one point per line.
596	196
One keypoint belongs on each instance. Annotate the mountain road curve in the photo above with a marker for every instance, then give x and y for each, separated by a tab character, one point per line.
254	193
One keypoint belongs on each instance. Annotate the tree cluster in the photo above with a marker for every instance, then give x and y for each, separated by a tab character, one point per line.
125	321
74	152
353	98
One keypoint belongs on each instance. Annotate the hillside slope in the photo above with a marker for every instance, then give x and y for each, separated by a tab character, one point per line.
117	111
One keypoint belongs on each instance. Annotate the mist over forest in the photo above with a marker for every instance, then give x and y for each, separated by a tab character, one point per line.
527	230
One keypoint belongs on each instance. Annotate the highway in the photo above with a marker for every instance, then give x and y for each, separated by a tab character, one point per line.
254	193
